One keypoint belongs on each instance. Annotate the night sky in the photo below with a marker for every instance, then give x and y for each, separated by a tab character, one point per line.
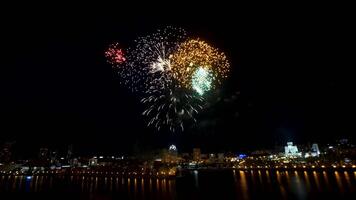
290	80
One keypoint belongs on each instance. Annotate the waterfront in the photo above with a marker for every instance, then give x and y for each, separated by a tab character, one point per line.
193	184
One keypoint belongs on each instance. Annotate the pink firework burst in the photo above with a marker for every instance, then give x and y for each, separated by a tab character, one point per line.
115	55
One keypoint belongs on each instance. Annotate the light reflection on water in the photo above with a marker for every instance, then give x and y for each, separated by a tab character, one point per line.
338	181
288	183
235	184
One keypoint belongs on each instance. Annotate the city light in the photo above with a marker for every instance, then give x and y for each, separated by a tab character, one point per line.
172	148
242	156
167	168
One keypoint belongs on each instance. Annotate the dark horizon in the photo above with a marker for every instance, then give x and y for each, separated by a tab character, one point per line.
288	82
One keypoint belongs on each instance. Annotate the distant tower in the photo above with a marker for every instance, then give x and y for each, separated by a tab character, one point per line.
69	152
315	150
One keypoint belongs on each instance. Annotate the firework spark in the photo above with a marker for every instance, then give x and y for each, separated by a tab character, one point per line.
149	59
201	80
115	55
171	108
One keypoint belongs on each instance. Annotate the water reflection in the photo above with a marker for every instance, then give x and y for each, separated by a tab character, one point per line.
196	178
268	177
135	187
347	178
306	178
244	185
282	190
338	181
260	177
316	180
276	184
326	180
298	186
143	186
287	178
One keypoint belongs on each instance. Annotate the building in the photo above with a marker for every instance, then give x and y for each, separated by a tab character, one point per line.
196	154
315	150
291	150
173	147
173	150
171	155
69	152
93	161
74	162
43	154
221	157
53	158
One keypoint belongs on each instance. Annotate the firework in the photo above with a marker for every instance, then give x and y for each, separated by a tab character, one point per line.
171	74
201	80
171	108
167	104
149	60
115	55
196	56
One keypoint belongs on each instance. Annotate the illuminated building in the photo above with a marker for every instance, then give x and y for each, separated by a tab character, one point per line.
315	150
171	155
343	141
74	162
196	154
291	150
242	156
221	157
93	161
53	157
173	149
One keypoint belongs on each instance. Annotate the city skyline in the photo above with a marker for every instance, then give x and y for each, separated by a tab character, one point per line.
178	101
308	149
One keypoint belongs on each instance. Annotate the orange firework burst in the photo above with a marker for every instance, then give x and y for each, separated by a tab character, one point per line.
196	54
